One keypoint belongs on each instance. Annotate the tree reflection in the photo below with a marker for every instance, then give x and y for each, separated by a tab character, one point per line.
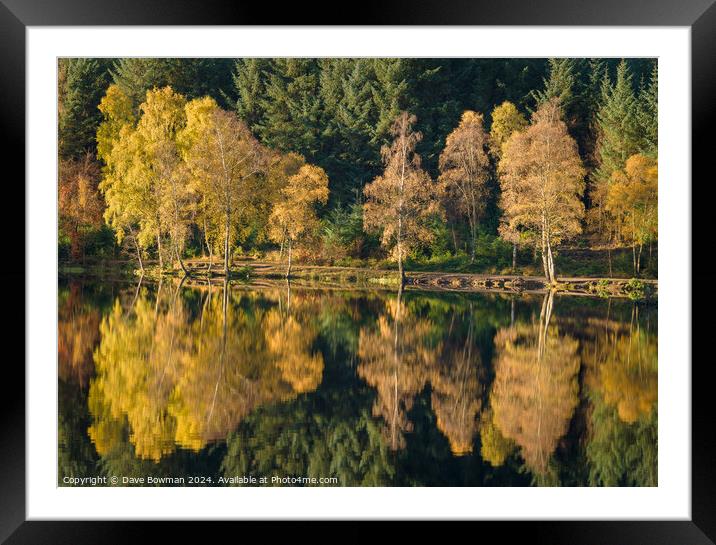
77	336
622	384
177	379
234	379
457	383
403	354
395	357
535	390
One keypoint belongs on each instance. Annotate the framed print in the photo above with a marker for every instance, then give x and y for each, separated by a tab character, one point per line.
409	268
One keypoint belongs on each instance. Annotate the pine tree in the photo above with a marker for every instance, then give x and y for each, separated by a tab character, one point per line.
390	94
85	81
617	124
560	84
648	115
190	77
351	157
292	107
249	86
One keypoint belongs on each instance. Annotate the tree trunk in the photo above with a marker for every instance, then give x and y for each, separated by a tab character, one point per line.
638	260
226	245
208	247
544	256
401	271
473	236
181	263
288	268
609	256
633	256
550	262
514	257
159	252
139	254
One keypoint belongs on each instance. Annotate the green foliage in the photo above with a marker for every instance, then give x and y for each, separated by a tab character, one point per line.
617	123
83	85
342	228
337	113
622	454
648	114
291	107
190	77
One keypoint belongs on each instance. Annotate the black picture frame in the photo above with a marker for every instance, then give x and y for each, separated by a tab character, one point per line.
699	15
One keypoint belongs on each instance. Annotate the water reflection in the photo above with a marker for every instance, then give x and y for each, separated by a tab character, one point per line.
535	390
179	376
374	388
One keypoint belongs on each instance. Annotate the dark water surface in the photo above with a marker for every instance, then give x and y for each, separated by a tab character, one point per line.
214	386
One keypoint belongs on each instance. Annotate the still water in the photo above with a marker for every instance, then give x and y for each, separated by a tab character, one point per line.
209	385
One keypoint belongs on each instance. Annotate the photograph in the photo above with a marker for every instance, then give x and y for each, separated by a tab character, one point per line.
357	271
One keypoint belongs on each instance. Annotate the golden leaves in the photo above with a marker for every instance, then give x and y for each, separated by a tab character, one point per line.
182	380
542	178
535	390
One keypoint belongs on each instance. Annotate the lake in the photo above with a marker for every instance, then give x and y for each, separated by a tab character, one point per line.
264	384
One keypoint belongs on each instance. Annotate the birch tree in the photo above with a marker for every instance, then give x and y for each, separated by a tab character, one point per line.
542	182
398	201
464	170
294	215
223	158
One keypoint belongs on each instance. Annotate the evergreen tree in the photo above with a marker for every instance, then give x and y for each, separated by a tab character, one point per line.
192	78
351	156
292	108
85	81
648	115
617	124
390	94
249	86
561	84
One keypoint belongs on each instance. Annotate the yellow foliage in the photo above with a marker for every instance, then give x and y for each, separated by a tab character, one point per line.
632	199
542	179
398	201
506	120
535	390
180	381
494	447
294	215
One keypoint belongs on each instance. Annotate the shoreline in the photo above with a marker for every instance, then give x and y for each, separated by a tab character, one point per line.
356	277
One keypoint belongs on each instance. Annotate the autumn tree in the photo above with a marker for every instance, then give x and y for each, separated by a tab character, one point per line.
541	177
457	389
632	200
146	183
79	203
77	336
622	386
398	201
294	215
506	120
117	111
464	170
223	158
